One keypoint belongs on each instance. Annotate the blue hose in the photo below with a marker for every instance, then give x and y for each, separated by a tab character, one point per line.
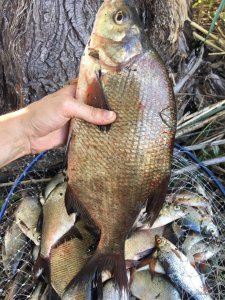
18	181
203	167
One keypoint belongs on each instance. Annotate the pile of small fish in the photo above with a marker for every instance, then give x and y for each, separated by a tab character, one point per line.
164	261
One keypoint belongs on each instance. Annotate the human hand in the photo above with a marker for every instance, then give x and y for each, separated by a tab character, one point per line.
46	122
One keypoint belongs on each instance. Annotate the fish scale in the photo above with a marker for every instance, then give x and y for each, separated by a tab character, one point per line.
114	171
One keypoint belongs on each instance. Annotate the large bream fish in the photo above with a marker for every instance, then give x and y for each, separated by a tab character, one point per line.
115	170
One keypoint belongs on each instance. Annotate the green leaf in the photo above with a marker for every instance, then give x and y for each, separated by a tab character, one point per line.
216	17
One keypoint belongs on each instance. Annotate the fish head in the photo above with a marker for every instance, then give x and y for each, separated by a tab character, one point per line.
162	244
209	228
117	36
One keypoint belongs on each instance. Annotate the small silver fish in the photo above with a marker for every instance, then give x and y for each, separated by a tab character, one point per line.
179	270
110	292
147	287
56	224
200	222
190	241
14	245
192	199
27	216
12	290
178	231
19	284
56	180
202	251
169	213
141	243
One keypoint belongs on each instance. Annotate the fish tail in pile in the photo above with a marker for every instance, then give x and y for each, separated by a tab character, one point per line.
98	263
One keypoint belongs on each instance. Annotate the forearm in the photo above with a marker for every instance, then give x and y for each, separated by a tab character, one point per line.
13	141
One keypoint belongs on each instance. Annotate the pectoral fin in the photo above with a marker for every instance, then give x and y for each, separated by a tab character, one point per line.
96	97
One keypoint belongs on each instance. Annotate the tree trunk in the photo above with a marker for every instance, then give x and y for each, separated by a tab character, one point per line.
41	42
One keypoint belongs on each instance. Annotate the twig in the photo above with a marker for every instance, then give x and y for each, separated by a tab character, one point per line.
194	167
203	30
31	181
205	144
202	39
216	53
199	125
202	114
220	31
182	82
210	130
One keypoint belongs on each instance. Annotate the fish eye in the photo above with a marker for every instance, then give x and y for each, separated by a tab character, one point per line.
158	240
177	207
120	17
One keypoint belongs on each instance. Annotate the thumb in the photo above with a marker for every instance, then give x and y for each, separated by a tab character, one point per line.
88	113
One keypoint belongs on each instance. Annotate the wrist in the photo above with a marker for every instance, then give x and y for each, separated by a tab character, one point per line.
13	136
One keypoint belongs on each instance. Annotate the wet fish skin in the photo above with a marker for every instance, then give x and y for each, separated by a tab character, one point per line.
190	241
56	180
191	199
111	292
35	253
168	213
14	245
147	287
27	216
202	251
177	230
200	222
141	243
56	224
179	270
113	170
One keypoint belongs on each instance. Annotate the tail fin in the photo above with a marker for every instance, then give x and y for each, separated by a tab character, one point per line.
98	263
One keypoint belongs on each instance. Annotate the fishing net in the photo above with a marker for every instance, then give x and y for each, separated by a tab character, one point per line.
16	282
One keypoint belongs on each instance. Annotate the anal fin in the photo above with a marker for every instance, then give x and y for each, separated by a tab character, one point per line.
156	200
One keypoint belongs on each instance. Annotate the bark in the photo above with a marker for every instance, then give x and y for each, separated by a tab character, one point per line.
41	42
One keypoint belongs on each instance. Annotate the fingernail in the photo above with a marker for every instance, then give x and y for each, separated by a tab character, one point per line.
108	115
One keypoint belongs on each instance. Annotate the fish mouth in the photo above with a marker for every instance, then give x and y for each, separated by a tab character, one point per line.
158	240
